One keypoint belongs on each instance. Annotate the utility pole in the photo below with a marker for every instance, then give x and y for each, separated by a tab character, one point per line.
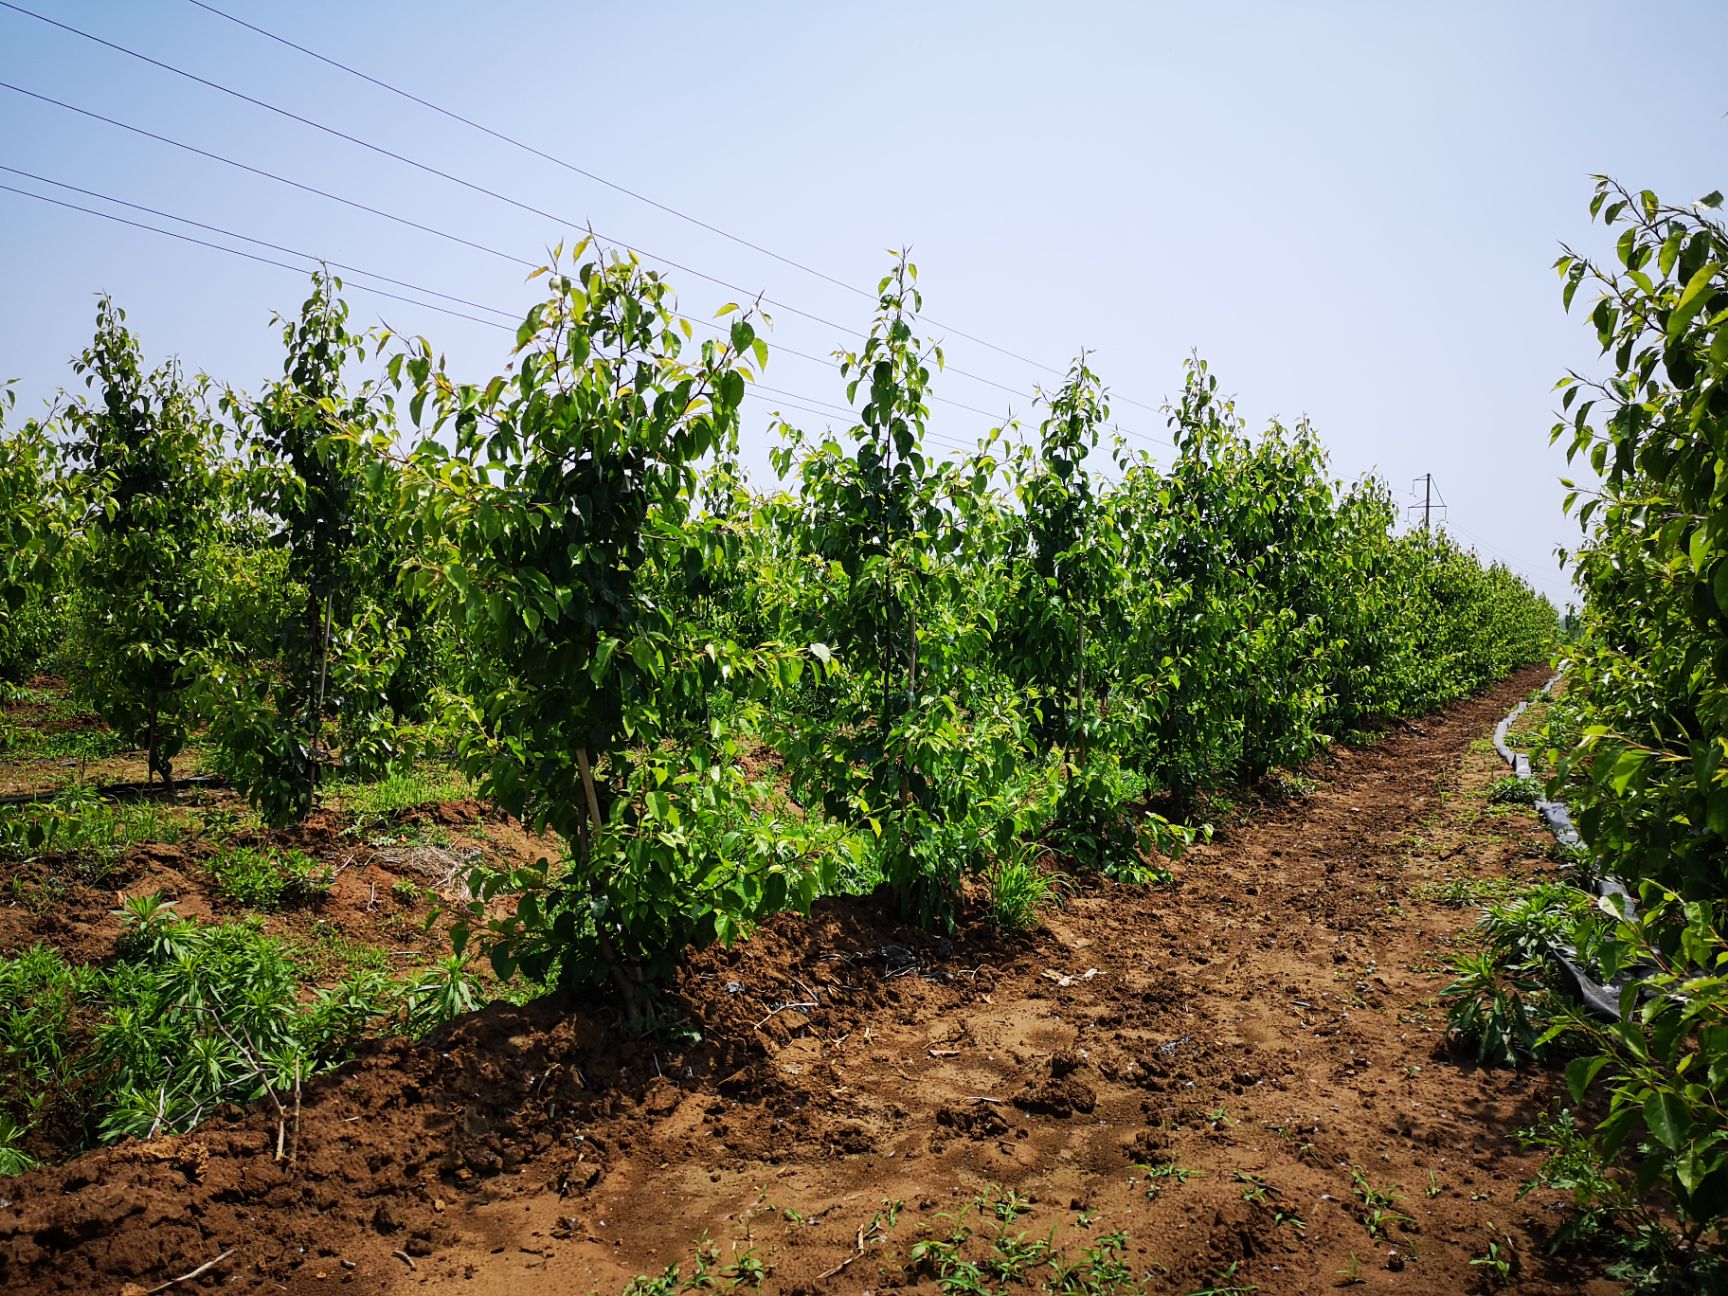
1431	500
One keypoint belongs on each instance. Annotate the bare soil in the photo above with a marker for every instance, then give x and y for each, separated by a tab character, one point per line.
1271	1021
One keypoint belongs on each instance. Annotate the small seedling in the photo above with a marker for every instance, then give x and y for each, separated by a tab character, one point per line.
1372	1196
1155	1176
747	1268
1378	1222
1254	1189
1497	1262
1012	1258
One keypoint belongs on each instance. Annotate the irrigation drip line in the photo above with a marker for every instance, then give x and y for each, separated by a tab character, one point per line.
1603	999
122	791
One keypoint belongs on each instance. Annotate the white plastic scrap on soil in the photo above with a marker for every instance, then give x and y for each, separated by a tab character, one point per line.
1601	998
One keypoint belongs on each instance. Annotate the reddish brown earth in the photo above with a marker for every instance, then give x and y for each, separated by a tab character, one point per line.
52	900
1272	1015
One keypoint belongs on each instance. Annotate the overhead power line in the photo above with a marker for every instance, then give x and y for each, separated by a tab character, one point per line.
450	177
435	231
250	256
825	363
628	192
418	165
408	222
246	238
537	152
1522	565
268	175
361	285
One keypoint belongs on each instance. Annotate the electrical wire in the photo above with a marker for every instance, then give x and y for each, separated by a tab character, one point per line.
426	167
1519	564
471	185
537	152
433	230
269	175
512	316
567	165
250	256
362	286
247	238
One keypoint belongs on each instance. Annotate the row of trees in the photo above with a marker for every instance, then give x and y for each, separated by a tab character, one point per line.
1643	733
201	557
951	662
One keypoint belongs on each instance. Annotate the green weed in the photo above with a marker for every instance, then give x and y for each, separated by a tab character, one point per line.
1019	893
1468	892
92	830
400	789
267	879
192	1016
1512	790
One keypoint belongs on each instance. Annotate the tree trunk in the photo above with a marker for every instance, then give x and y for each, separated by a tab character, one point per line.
608	955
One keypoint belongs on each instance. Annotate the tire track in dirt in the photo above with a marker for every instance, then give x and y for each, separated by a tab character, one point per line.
1269	1022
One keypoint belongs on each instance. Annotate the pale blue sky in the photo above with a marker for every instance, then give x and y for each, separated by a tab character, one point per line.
1351	209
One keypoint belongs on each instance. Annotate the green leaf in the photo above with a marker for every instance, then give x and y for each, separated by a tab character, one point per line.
1665	1114
1580	1072
1696	295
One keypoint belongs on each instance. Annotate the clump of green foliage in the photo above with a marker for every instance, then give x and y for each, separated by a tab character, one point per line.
1505	993
192	1015
995	1255
266	879
1641	729
1019	892
1512	790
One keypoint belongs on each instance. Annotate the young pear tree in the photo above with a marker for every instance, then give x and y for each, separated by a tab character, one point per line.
564	521
916	741
148	455
319	481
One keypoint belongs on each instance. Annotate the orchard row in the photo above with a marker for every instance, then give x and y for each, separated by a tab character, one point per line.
894	668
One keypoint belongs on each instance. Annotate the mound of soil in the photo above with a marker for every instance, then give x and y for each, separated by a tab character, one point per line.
1271	1016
